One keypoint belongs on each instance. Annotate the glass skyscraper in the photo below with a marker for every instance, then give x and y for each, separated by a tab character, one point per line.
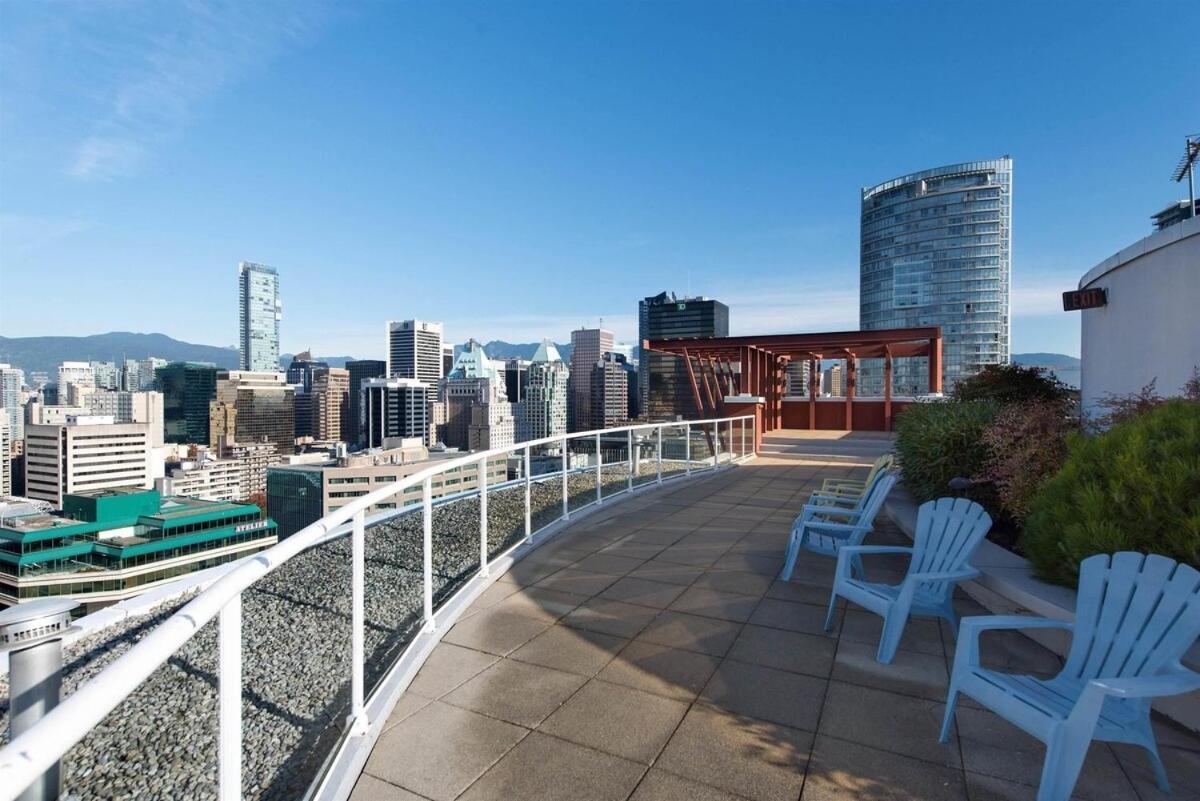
936	250
259	311
666	390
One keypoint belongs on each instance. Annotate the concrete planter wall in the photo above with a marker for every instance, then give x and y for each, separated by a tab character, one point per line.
1009	587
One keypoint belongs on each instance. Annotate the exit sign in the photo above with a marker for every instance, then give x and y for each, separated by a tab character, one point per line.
1084	299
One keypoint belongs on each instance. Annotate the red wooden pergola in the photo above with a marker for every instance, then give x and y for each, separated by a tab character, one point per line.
763	363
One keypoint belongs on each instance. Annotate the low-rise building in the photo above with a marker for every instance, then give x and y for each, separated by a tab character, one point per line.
207	479
109	545
85	453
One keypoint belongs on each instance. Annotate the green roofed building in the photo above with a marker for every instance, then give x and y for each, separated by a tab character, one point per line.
108	545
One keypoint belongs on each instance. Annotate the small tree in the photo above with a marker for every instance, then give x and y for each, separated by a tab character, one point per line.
1012	383
1027	444
940	441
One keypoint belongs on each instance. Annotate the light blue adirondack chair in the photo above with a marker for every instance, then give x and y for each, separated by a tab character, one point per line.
856	488
948	532
1135	617
824	527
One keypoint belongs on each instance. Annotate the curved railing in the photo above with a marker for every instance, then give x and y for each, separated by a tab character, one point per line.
635	456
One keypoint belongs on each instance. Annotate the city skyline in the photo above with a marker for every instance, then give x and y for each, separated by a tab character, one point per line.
734	174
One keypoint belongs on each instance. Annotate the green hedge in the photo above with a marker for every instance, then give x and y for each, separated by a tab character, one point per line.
1135	487
940	441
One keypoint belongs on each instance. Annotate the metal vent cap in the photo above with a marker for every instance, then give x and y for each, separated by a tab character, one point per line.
29	623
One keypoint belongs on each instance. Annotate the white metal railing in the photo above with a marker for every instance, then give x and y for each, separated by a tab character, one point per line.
29	755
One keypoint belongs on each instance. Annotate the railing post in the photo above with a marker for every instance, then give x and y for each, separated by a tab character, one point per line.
229	735
528	486
658	457
427	550
687	447
566	496
631	462
743	427
716	443
483	517
358	582
599	460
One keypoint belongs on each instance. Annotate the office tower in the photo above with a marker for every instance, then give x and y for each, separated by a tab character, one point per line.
85	453
300	371
12	409
254	407
415	350
545	404
187	389
516	379
936	251
331	396
395	408
302	413
475	379
587	346
360	370
148	372
106	375
609	402
665	388
447	359
74	380
120	542
6	483
259	311
130	407
831	381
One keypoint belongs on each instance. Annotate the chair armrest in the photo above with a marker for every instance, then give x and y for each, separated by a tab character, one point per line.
810	509
848	552
969	629
855	489
824	499
950	575
1176	682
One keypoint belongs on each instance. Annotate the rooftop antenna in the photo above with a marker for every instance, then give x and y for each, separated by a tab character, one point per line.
1186	165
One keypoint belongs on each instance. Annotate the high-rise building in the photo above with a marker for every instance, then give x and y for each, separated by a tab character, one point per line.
148	372
516	379
609	402
415	350
663	382
587	346
475	379
831	381
936	251
360	370
259	311
11	406
106	374
447	359
394	408
301	370
74	379
85	453
129	407
187	389
331	397
545	405
253	461
6	482
254	407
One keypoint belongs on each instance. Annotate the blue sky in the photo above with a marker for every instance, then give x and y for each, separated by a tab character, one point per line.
520	169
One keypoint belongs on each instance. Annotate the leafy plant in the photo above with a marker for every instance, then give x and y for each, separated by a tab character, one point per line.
1012	383
1135	487
1027	444
940	441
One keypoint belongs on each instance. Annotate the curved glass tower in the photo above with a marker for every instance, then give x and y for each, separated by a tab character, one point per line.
936	251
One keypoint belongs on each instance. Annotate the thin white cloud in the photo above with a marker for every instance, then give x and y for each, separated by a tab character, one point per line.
171	58
22	235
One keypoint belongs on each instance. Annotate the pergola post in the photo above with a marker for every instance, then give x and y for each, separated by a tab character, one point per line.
814	371
935	363
887	388
851	380
780	363
687	359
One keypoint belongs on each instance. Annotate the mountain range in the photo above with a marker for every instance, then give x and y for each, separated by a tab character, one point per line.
34	354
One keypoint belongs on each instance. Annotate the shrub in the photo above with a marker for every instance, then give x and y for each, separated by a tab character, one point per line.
1119	408
940	441
1135	487
1012	383
1027	444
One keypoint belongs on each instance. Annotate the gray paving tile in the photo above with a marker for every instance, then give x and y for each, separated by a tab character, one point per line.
842	771
804	618
909	673
750	758
756	561
777	696
493	631
540	603
1183	768
658	785
610	563
991	788
515	691
447	667
576	581
634	590
888	722
410	703
611	617
735	581
573	650
692	555
784	650
691	632
368	788
994	747
711	603
549	769
800	592
657	669
920	634
440	750
668	572
617	720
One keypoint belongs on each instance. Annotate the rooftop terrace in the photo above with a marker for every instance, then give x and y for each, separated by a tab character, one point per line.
649	653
